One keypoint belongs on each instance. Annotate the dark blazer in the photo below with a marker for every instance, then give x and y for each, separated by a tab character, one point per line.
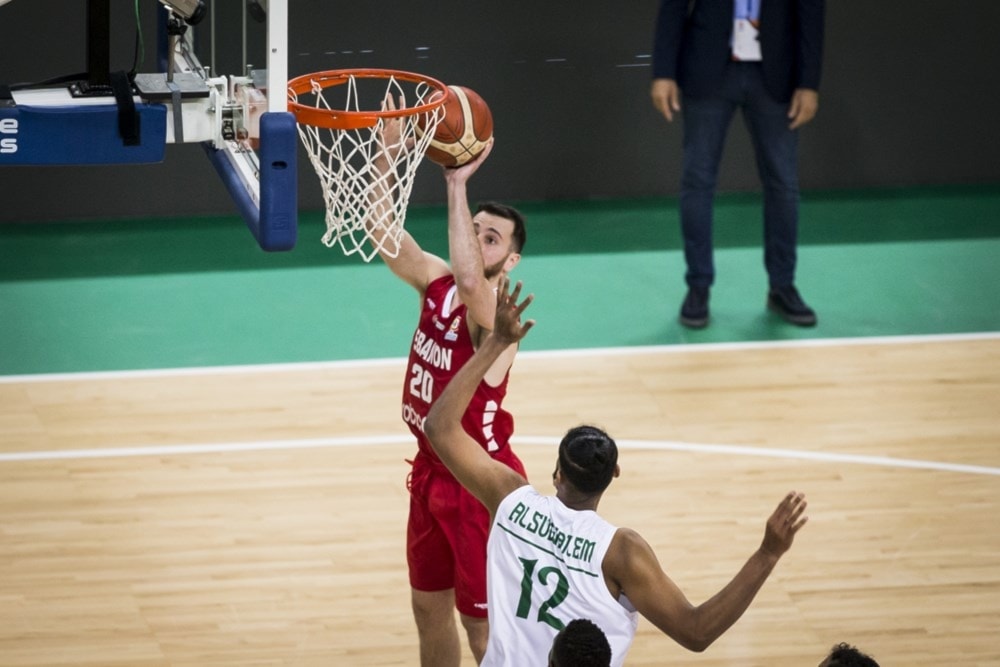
693	48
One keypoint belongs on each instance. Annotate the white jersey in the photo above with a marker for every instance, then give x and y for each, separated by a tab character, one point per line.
545	571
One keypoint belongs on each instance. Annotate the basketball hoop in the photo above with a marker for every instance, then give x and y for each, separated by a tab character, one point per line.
365	172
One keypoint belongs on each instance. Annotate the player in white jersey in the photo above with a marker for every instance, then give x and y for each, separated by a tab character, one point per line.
537	542
553	559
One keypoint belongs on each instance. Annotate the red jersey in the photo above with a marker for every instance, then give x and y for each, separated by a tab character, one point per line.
441	345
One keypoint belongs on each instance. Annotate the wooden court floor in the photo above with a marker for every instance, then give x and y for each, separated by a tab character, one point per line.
256	516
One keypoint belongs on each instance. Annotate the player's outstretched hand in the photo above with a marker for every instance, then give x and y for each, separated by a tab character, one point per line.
391	133
507	326
784	523
462	173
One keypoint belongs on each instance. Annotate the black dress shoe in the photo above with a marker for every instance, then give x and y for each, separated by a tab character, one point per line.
786	302
694	310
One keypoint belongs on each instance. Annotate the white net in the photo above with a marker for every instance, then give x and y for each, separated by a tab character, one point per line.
367	173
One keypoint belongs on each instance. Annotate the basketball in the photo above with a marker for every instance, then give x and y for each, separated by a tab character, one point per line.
463	132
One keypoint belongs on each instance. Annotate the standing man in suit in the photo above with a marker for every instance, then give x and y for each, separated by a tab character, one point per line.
762	57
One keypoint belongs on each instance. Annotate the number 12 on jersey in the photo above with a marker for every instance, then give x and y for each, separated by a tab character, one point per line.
560	582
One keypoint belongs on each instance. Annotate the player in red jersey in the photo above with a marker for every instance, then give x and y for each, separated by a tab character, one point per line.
448	527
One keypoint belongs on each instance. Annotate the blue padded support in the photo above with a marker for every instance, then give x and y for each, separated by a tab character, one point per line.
275	223
85	135
279	184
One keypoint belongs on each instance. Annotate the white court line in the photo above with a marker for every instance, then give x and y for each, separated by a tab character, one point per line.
662	445
535	440
539	354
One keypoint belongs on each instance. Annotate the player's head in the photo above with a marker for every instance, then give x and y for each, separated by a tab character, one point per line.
519	236
502	236
588	459
580	644
845	655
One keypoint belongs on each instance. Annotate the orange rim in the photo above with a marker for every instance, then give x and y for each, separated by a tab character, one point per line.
335	119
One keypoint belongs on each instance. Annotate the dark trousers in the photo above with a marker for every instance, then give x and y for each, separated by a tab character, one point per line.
706	122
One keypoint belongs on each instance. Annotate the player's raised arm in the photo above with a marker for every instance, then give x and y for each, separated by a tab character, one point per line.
632	565
489	480
411	263
464	250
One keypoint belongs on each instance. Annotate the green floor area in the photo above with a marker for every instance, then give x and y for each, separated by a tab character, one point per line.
142	294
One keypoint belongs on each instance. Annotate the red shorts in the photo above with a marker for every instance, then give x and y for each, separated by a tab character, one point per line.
446	535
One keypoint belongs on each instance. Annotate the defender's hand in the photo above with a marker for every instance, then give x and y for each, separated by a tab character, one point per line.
507	326
784	523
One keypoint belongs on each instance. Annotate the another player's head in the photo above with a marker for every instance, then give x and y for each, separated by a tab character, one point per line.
501	235
845	655
588	460
580	644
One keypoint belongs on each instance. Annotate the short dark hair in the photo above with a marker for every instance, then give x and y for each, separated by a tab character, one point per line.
845	655
587	458
580	644
509	212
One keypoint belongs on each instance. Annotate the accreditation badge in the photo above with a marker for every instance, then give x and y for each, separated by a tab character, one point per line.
746	40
